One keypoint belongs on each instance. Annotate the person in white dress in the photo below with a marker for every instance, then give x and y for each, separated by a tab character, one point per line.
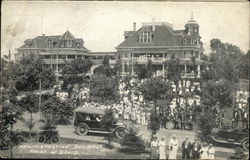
154	149
211	151
173	146
204	151
162	148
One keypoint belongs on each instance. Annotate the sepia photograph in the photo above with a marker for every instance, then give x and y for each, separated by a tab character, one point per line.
124	80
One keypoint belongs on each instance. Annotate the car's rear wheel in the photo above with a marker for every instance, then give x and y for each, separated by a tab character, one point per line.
170	125
82	130
245	144
120	133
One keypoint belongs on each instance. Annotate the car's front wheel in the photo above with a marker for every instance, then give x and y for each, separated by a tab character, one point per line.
82	130
245	144
120	133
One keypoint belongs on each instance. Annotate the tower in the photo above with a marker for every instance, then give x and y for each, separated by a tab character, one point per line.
192	27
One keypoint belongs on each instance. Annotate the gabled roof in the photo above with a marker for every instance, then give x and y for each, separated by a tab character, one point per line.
42	41
67	35
163	35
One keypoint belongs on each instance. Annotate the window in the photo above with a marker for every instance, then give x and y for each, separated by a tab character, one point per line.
145	37
50	44
62	44
195	30
54	56
78	44
69	43
193	41
71	56
184	42
62	56
79	56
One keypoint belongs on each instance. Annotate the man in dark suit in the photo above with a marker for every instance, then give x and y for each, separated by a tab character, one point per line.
186	148
235	118
196	149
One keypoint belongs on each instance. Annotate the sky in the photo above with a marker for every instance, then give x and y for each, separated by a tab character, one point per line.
101	24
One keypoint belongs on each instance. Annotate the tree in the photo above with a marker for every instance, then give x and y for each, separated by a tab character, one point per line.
152	89
30	69
104	87
243	66
132	142
29	103
73	72
105	68
10	111
173	73
154	123
108	122
206	123
144	71
57	111
215	91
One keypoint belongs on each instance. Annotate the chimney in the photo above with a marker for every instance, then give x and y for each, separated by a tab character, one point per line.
43	34
153	24
134	26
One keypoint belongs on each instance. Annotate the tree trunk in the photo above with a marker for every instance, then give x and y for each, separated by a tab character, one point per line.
11	145
155	102
31	120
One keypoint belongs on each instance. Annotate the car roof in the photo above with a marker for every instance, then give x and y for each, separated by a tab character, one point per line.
89	110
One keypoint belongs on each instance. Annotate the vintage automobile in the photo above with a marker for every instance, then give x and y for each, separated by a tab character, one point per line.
88	119
237	136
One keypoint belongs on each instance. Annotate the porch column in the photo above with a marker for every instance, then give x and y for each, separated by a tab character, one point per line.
185	69
163	68
123	67
199	70
132	60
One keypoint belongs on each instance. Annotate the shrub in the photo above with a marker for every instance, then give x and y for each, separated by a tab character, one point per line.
132	142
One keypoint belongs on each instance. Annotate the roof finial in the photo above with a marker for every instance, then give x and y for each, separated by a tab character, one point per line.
192	16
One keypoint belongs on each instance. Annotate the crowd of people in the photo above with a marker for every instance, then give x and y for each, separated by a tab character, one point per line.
132	105
241	110
193	150
183	110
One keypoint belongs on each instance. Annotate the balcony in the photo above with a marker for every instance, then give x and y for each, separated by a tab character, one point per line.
145	60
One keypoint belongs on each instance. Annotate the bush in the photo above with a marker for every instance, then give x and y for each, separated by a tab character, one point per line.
205	123
154	123
132	142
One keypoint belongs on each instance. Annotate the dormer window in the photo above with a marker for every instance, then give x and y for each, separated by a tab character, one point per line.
184	42
69	43
50	44
78	44
62	43
145	37
193	41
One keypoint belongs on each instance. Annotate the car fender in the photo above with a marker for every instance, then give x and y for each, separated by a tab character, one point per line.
82	124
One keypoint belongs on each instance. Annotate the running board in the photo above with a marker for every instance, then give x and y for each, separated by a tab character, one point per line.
93	131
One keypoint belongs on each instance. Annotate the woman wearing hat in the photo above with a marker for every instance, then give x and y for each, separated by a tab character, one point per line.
162	148
211	151
204	151
173	146
154	148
